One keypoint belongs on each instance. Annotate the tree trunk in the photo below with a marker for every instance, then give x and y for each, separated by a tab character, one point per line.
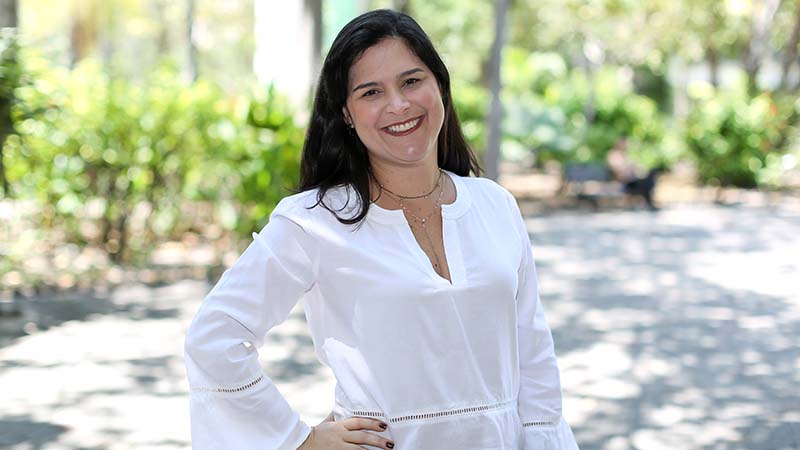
759	42
8	14
713	65
790	53
492	157
3	179
314	8
192	56
402	6
589	111
592	55
83	35
162	41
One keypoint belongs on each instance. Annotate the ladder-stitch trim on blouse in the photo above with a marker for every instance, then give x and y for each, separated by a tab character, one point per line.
540	423
430	415
229	390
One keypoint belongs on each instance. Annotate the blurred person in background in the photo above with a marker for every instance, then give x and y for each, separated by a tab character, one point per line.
627	173
418	280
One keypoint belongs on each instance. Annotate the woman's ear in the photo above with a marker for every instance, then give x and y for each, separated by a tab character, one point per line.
347	119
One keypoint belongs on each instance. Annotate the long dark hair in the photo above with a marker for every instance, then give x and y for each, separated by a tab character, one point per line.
333	155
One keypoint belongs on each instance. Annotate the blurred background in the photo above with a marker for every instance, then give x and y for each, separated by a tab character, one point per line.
142	142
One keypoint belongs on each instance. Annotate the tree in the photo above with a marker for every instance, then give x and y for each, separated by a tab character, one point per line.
790	52
492	157
758	47
402	5
83	32
192	48
8	13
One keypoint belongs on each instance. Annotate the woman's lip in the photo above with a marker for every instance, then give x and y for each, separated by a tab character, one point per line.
408	131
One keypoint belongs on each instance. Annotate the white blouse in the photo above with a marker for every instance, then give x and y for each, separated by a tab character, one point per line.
467	365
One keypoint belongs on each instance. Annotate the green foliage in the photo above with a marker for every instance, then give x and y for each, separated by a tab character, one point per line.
114	150
655	85
270	167
470	101
737	140
548	105
11	77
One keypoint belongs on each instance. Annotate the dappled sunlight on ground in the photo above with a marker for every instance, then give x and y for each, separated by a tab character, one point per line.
675	330
670	338
112	379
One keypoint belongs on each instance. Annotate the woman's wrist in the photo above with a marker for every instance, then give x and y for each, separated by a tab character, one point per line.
308	438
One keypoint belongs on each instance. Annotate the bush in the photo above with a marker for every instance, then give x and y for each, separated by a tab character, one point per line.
12	76
470	102
548	105
738	141
111	149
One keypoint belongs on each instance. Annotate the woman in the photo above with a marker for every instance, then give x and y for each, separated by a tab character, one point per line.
418	281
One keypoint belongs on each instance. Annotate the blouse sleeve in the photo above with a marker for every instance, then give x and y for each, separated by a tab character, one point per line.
233	404
539	402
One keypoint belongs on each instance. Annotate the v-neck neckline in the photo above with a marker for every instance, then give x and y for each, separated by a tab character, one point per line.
452	210
452	249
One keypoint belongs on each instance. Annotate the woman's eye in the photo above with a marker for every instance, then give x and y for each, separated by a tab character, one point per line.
413	81
370	93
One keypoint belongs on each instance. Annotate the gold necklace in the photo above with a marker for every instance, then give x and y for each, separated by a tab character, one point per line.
423	221
409	197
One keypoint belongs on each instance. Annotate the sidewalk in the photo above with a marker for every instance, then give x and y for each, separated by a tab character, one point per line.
675	330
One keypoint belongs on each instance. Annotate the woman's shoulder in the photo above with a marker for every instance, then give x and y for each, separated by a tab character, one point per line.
310	206
294	204
485	188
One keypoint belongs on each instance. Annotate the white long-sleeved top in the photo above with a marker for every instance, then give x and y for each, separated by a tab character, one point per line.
467	365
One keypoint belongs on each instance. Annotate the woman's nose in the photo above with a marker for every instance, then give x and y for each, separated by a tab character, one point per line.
398	103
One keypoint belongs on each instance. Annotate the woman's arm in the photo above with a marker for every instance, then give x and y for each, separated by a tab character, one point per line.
234	405
539	402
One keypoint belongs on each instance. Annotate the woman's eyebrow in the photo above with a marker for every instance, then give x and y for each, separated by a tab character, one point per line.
401	75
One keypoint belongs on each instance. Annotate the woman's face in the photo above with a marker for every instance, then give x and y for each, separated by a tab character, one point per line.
395	105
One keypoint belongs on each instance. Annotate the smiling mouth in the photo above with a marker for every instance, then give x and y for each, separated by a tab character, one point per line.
402	129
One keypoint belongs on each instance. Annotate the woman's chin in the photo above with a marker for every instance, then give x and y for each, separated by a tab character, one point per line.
407	155
411	157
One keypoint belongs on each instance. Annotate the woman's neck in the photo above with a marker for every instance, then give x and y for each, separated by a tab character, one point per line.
408	181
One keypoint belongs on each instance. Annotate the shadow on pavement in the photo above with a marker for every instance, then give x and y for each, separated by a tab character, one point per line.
23	429
663	341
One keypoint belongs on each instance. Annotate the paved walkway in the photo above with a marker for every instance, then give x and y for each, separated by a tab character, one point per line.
675	330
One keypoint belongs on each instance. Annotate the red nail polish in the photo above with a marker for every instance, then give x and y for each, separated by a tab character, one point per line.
382	425
390	444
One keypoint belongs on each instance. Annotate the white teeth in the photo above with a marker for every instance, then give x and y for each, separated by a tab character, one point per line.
404	126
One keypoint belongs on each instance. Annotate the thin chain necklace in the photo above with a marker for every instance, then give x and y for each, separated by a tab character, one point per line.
423	221
410	197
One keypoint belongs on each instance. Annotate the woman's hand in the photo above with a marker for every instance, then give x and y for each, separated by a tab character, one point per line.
346	435
330	418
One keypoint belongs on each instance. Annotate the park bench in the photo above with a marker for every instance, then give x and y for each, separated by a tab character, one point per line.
592	183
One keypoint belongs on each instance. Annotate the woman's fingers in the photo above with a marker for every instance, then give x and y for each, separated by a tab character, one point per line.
355	436
365	437
363	423
352	447
347	435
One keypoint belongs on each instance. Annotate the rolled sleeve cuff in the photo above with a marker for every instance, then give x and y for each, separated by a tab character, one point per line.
548	435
